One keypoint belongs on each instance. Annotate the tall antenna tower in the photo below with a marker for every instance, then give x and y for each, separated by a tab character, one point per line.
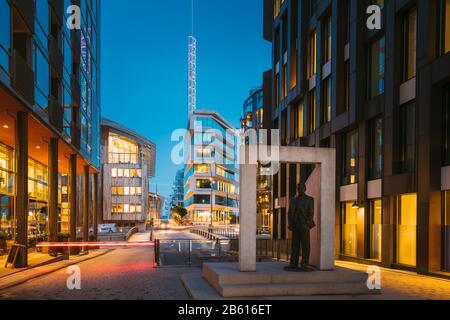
192	68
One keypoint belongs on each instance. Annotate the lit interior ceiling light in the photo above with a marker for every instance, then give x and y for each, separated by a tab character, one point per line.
38	147
6	126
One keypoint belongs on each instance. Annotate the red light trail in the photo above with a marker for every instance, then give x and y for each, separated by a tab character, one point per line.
94	244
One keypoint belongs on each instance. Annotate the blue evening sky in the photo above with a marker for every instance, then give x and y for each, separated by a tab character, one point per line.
144	65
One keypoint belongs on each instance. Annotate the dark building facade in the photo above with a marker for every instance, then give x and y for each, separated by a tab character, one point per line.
50	119
253	118
382	99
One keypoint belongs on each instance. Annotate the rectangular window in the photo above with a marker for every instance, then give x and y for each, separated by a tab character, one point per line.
347	87
376	223
276	8
446	126
299	121
376	68
326	101
326	40
6	171
406	214
347	15
349	225
406	137
284	89
375	165
444	26
312	56
446	236
122	150
5	34
312	112
409	44
350	153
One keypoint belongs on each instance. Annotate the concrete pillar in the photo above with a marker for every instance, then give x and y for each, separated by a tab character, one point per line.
86	202
95	207
53	190
73	197
22	185
247	206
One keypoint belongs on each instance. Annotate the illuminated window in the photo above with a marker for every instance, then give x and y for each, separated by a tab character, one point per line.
446	236
376	223
350	158
312	112
326	101
6	170
444	26
122	150
298	120
202	168
37	180
349	225
406	213
312	56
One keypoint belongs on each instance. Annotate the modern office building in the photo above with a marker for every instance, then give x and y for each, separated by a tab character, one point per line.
50	119
253	118
177	197
210	175
382	99
128	163
155	207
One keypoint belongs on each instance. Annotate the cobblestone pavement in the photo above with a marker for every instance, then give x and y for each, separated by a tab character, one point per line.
123	274
397	284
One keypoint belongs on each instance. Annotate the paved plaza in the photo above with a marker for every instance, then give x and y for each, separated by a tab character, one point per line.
130	274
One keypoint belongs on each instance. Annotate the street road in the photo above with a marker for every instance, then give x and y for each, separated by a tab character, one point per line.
123	274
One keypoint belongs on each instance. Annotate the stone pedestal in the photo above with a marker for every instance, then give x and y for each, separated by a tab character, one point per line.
270	280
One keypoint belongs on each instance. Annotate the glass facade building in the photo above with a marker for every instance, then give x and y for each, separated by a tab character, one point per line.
253	118
49	116
210	174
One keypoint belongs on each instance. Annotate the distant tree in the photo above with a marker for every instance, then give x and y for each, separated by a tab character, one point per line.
176	219
182	212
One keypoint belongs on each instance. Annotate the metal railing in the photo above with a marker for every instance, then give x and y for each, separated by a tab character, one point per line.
171	252
216	232
131	232
194	252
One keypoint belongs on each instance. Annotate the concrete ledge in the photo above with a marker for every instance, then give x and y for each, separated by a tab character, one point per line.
271	280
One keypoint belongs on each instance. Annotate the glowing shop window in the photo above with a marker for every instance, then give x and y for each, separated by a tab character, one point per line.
406	229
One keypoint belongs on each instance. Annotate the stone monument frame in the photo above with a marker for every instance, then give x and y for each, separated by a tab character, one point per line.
325	160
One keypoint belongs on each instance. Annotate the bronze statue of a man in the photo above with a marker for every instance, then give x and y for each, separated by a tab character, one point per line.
300	222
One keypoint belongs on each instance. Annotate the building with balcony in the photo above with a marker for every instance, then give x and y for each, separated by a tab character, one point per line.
177	197
49	120
127	164
382	99
210	175
253	118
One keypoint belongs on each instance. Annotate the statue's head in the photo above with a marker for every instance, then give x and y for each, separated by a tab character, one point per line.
301	188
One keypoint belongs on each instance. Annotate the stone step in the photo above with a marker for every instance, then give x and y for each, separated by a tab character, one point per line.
271	275
293	289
